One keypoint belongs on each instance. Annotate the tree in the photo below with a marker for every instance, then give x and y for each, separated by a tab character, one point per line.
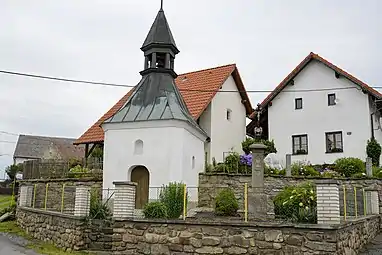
373	151
13	170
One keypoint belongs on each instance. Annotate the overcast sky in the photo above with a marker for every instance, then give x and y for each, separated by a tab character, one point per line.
100	40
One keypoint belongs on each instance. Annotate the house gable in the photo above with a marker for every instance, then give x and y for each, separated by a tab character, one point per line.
312	57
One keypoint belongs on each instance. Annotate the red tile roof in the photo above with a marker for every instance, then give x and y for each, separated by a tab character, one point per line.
302	65
197	88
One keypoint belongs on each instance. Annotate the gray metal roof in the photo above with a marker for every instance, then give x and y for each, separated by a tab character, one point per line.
42	147
156	97
160	33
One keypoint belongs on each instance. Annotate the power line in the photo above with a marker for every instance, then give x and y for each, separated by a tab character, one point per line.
181	89
8	133
2	141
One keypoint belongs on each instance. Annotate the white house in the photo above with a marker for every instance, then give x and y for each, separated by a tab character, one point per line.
319	113
165	128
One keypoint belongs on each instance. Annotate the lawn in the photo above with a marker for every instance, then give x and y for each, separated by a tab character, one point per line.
10	227
5	201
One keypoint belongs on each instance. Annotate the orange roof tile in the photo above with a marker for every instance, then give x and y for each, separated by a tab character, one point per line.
302	65
197	88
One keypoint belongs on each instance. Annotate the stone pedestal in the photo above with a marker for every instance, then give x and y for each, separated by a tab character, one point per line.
257	206
124	200
82	201
328	202
257	199
369	167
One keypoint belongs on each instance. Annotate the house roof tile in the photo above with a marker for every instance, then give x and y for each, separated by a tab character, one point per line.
197	88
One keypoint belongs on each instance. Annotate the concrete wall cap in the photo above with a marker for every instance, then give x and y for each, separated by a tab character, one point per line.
122	183
326	181
257	146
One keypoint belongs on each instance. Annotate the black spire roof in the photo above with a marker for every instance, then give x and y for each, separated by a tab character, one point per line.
160	34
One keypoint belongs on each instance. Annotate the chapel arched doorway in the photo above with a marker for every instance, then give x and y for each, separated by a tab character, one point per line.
141	176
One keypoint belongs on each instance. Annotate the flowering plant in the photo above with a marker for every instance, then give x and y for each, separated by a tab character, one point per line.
246	159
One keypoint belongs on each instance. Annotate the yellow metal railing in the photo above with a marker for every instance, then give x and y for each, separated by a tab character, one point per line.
62	197
360	202
355	202
246	202
344	189
185	202
46	195
34	195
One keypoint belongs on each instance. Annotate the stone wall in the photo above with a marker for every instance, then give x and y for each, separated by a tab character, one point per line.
182	237
211	184
55	188
64	231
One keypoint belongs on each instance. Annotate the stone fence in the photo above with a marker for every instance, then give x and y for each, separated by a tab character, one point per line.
55	193
211	183
130	236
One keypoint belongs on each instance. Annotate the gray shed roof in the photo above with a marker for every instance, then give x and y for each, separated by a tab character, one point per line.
156	97
42	147
160	33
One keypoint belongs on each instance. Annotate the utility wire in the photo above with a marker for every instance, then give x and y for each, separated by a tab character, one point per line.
181	89
2	141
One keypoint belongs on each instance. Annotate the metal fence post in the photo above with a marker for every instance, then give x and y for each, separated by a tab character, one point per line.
62	197
246	202
355	202
34	195
344	189
184	201
364	202
46	195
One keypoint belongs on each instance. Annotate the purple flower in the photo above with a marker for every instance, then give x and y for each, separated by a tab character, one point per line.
246	159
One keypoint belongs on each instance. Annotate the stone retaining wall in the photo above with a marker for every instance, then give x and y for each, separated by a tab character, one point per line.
182	237
211	184
64	231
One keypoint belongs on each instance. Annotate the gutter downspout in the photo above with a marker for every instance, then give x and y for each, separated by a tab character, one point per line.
372	125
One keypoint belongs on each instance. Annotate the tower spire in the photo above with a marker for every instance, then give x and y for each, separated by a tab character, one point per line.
161	5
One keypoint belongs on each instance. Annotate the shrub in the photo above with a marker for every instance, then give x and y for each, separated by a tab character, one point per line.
329	174
377	172
155	210
232	162
303	169
226	203
373	151
273	171
297	203
78	171
271	148
98	209
172	196
349	166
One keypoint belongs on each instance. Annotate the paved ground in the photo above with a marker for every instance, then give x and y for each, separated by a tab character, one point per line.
374	248
13	246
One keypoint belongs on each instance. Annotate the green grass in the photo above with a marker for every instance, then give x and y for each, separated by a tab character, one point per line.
10	227
5	201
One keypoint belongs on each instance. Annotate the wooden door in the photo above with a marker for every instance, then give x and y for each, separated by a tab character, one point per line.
140	175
